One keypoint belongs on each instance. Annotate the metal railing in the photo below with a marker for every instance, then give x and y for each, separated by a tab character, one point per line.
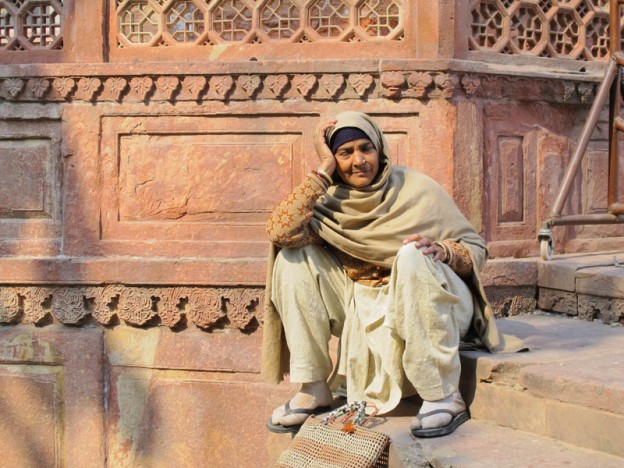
609	87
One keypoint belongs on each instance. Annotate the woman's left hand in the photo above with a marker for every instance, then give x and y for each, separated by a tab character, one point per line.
428	246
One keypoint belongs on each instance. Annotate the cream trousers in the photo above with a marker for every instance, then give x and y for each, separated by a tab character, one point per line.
396	340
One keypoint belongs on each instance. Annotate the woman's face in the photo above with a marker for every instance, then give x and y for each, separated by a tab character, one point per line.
357	162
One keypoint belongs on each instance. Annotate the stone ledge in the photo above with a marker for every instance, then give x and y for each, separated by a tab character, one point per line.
132	270
481	443
571	374
562	271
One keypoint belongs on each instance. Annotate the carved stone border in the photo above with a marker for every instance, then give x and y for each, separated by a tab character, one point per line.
206	307
588	307
393	85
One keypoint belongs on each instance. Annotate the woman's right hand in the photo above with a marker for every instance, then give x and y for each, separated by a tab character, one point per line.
324	153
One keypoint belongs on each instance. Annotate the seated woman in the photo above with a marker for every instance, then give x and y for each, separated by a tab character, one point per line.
383	258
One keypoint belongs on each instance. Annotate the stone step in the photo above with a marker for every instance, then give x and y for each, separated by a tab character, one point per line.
483	444
560	403
589	285
568	387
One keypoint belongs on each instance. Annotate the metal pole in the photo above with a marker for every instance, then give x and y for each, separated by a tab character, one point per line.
614	103
594	113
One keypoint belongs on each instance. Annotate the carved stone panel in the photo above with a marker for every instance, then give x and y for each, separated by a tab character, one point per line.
192	184
510	181
30	189
25	190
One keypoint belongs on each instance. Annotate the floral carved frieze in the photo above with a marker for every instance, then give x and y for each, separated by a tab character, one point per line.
205	307
395	85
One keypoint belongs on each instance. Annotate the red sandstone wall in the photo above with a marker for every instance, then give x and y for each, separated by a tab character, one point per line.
136	174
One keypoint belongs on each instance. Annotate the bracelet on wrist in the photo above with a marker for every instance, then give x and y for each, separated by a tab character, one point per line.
327	176
323	176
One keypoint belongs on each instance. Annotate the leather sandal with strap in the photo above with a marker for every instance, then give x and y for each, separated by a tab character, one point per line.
456	420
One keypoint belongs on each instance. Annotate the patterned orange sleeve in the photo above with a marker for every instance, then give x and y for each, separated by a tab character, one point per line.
289	224
458	258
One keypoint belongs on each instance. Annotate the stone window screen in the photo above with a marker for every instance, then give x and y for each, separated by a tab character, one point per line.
568	29
27	25
166	23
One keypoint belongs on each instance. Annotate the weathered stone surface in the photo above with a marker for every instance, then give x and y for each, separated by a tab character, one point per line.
608	310
605	281
478	443
507	301
53	412
135	271
510	272
562	271
161	418
158	348
510	408
556	300
32	422
593	383
570	373
586	427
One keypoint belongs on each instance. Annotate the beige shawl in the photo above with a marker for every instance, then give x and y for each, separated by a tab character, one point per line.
370	224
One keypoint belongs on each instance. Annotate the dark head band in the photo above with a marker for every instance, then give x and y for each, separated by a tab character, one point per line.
345	135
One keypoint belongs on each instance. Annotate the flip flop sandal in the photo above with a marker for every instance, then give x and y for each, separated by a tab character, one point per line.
457	419
280	429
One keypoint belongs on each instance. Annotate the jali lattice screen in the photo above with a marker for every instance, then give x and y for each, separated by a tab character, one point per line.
570	29
28	24
208	22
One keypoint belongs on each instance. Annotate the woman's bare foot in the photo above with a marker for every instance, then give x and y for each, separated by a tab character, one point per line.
310	396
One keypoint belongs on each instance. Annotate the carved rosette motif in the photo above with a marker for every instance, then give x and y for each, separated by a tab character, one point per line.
168	85
392	85
304	84
205	307
9	305
64	86
419	82
89	87
221	85
14	86
68	305
361	83
135	306
250	84
116	85
277	84
332	84
39	87
141	86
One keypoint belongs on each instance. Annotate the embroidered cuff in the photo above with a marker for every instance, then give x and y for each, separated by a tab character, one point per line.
457	257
